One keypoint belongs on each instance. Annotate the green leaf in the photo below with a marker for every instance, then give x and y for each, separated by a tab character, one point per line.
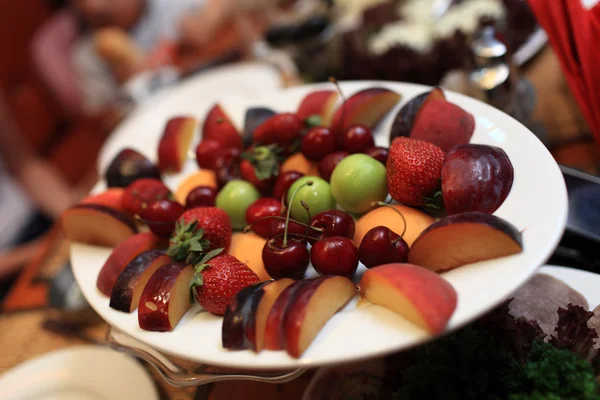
210	255
197	280
313	121
195	245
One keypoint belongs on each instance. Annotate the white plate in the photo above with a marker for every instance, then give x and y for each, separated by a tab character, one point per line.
78	373
537	204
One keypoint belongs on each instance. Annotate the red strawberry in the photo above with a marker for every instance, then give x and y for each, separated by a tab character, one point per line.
414	170
282	129
200	230
260	167
218	126
217	280
142	192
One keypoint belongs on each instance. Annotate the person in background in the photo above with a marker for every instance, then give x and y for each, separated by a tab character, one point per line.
124	37
32	195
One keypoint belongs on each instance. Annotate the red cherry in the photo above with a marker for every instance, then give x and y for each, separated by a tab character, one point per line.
261	208
227	166
289	260
378	153
332	223
329	162
142	192
335	255
318	142
357	139
161	216
201	196
207	153
283	183
382	246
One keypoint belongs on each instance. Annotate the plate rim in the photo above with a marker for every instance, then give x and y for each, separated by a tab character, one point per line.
561	220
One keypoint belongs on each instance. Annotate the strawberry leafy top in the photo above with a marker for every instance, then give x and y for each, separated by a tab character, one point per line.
264	160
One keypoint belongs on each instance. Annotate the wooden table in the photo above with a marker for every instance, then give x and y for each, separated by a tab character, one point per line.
23	337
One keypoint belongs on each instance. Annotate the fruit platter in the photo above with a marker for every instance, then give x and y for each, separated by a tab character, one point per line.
313	226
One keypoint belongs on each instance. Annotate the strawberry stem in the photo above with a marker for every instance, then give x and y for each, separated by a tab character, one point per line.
383	204
289	211
249	227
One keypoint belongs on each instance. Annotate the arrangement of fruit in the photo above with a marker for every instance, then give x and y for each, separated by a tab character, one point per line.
295	192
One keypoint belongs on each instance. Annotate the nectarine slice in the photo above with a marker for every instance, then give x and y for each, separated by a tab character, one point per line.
462	239
366	107
297	162
166	298
419	295
122	255
122	297
319	102
274	334
270	295
247	247
97	225
314	305
416	222
204	177
110	198
405	118
238	331
175	143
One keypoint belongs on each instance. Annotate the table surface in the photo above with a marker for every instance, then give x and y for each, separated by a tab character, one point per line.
25	312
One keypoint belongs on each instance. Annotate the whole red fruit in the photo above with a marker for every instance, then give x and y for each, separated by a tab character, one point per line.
261	208
142	192
329	162
283	183
318	142
201	196
357	139
207	153
335	255
161	216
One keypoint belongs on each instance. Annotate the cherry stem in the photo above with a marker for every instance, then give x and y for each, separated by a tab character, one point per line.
249	227
344	100
294	239
383	204
307	212
289	211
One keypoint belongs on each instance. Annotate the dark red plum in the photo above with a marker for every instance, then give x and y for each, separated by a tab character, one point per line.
239	323
128	166
254	118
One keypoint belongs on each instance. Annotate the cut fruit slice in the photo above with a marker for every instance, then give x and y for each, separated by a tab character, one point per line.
122	297
314	305
110	198
321	103
166	298
274	335
122	255
218	126
462	239
271	294
175	143
239	322
406	116
419	295
247	247
96	225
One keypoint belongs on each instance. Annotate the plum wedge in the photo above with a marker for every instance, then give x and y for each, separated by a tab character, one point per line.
462	239
97	225
166	298
270	295
122	297
239	322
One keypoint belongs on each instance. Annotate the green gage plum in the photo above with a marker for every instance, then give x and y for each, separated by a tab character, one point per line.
357	182
235	198
317	197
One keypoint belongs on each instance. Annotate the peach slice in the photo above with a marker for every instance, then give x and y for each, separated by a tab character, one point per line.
416	222
175	143
321	103
444	124
366	107
419	295
405	118
315	303
297	162
247	247
274	334
110	198
204	177
122	255
166	298
239	322
218	126
465	238
270	295
97	225
122	297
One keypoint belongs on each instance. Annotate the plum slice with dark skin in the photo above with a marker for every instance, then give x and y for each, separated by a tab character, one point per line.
254	118
128	166
314	305
476	177
271	294
405	118
239	323
97	225
166	298
122	298
462	239
274	333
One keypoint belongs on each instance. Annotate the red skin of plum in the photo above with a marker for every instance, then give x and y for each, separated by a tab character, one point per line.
329	162
335	256
285	261
318	142
382	246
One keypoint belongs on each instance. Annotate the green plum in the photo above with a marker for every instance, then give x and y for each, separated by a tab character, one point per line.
317	197
357	182
235	198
